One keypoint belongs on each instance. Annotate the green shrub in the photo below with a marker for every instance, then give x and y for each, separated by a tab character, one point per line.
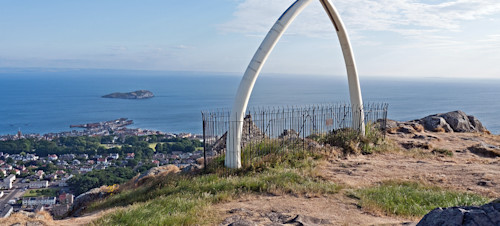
352	142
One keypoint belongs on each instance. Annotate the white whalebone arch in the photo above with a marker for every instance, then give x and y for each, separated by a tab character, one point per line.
233	154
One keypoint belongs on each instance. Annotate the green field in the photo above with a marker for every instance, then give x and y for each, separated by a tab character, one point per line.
49	192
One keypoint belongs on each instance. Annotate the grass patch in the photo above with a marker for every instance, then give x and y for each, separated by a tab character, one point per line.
442	151
109	146
48	192
410	199
185	199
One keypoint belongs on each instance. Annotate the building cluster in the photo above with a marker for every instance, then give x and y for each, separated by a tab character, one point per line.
114	127
58	205
54	171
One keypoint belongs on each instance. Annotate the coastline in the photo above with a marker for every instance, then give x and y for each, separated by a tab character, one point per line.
117	127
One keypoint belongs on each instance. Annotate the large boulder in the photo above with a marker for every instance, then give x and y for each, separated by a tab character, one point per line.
454	121
485	215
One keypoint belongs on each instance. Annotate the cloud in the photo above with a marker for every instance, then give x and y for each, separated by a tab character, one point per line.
182	47
406	17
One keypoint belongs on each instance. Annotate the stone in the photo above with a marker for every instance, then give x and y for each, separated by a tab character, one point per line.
242	222
390	123
486	215
160	170
420	137
418	127
289	134
307	220
241	211
231	219
83	199
432	123
191	168
478	126
406	129
458	120
484	151
411	144
277	217
250	134
485	183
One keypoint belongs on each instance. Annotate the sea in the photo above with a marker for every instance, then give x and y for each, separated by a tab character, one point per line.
50	100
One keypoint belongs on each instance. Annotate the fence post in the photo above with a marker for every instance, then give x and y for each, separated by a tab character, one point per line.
204	144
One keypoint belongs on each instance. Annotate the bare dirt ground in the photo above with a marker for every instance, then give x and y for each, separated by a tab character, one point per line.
338	209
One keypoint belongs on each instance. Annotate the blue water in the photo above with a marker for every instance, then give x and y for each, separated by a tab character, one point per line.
38	101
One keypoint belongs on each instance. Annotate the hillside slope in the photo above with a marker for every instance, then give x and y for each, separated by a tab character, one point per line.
324	186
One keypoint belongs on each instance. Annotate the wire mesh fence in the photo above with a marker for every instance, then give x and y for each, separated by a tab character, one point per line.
279	130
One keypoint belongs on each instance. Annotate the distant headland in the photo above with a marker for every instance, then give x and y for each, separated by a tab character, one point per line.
139	94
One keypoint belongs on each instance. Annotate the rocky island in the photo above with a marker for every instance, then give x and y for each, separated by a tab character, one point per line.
139	94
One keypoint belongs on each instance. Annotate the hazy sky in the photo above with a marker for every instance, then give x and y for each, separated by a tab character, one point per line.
407	38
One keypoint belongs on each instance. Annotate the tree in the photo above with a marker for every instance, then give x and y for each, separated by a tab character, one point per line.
132	163
159	147
131	140
189	148
9	160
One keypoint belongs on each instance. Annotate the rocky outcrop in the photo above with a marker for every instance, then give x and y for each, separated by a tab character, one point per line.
250	133
454	121
85	198
247	217
139	94
485	215
485	150
157	171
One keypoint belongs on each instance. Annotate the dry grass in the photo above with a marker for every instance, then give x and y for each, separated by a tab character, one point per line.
418	127
42	217
439	130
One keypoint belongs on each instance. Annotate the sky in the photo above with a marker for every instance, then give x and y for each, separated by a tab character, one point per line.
397	38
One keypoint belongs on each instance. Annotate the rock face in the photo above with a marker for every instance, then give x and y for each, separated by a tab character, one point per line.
139	94
485	215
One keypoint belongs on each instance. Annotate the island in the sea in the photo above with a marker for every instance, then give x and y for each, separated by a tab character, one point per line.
139	94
